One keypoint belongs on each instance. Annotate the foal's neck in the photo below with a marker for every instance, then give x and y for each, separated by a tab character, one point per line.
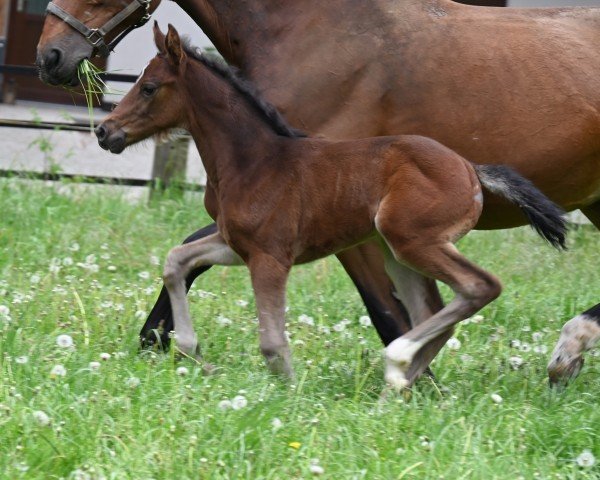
232	136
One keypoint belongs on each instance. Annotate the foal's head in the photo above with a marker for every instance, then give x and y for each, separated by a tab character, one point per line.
155	104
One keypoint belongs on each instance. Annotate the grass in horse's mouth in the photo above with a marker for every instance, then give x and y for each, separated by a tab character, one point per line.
93	85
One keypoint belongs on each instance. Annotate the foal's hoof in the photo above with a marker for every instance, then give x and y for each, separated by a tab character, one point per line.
398	357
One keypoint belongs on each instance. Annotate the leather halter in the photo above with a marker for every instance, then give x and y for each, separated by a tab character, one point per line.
96	37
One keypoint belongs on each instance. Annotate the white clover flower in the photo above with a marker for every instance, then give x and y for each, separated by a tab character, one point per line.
306	319
35	279
65	341
525	347
154	260
515	343
540	349
67	261
144	275
223	321
111	268
474	319
105	356
78	474
41	417
496	398
58	371
241	303
93	268
454	343
22	360
340	326
94	366
74	247
4	311
239	402
324	329
365	321
537	336
90	259
316	469
515	362
276	423
182	371
54	267
140	314
225	405
586	459
133	382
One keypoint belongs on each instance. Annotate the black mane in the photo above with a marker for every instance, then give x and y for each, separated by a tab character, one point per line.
246	88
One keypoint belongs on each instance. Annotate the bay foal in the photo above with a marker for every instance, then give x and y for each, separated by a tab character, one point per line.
281	199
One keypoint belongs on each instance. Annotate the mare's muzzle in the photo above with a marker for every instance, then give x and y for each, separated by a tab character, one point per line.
110	137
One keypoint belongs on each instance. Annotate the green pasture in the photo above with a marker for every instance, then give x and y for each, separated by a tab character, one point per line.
86	265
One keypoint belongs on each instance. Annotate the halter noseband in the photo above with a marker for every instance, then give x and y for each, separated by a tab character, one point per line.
96	37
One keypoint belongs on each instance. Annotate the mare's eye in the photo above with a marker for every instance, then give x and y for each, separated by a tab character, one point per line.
148	89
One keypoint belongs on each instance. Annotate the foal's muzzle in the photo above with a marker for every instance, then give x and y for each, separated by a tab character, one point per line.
114	140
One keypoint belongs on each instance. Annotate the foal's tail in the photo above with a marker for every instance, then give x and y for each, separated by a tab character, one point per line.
544	215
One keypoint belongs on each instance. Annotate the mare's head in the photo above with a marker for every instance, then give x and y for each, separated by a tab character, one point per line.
61	47
155	104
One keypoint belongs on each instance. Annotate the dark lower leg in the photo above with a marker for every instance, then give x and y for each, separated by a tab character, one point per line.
160	321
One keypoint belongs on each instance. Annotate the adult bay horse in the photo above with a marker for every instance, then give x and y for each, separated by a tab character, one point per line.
513	86
281	198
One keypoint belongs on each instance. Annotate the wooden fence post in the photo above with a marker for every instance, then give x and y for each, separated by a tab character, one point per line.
170	163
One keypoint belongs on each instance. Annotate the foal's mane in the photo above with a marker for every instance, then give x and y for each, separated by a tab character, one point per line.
233	76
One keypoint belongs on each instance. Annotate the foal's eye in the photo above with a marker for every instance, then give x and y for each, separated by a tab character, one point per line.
148	89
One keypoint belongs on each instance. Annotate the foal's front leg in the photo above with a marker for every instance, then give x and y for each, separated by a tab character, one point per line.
269	278
210	250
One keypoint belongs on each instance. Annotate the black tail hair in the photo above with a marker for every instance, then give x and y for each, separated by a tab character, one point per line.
544	215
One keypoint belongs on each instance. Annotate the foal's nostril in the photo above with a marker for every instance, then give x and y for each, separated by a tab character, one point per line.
53	59
101	133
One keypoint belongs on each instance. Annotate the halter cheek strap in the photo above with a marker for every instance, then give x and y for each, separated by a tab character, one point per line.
96	37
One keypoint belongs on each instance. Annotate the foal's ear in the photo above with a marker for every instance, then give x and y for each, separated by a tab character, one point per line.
173	45
159	39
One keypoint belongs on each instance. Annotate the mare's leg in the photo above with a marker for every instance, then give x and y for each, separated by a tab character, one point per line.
160	321
210	250
579	334
269	278
474	289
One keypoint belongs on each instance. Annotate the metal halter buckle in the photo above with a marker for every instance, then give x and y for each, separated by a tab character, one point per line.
95	37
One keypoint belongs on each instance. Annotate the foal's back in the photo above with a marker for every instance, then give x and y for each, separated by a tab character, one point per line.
333	190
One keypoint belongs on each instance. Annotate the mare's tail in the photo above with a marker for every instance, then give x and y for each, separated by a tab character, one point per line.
544	215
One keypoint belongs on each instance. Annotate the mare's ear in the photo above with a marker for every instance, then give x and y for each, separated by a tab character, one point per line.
173	46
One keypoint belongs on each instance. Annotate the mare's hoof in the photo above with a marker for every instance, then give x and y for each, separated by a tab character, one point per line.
155	339
562	370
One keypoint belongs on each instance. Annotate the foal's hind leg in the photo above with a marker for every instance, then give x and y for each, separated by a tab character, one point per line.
210	250
422	299
579	334
474	289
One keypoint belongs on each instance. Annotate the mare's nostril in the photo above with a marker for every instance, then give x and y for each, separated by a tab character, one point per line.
53	59
101	132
